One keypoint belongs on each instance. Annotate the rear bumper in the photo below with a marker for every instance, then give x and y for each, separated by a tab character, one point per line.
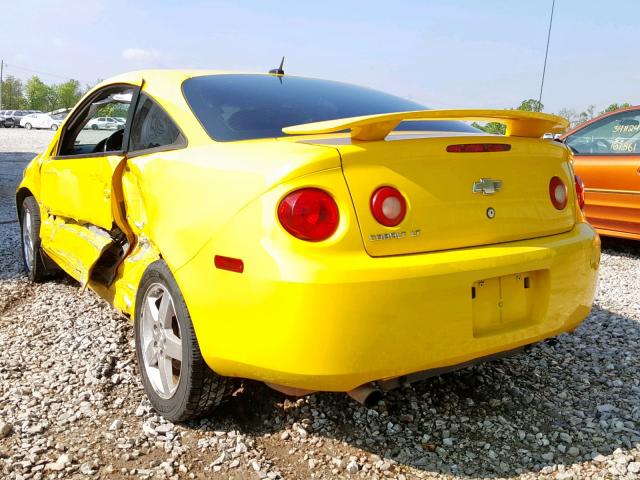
363	319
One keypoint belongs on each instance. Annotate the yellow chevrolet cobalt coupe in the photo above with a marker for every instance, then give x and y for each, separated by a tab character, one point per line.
310	234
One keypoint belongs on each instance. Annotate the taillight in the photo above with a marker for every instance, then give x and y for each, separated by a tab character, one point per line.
309	214
478	147
580	191
388	206
558	193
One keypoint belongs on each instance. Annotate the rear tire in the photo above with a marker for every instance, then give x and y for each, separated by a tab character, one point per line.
54	127
32	254
179	389
27	126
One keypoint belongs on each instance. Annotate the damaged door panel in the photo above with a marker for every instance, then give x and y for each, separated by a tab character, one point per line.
83	200
80	189
75	247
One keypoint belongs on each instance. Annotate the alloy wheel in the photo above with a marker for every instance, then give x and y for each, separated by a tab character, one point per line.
27	239
161	341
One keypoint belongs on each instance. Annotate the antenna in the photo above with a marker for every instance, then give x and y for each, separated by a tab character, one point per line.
279	70
546	54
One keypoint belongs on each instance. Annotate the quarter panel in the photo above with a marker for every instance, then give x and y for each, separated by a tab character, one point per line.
185	197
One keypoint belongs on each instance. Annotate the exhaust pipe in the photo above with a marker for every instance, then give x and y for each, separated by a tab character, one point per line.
366	395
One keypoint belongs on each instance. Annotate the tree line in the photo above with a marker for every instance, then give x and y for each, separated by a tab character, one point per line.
37	95
570	114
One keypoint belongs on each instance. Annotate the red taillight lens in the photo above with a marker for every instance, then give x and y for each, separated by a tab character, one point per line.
478	147
580	192
558	193
388	206
309	214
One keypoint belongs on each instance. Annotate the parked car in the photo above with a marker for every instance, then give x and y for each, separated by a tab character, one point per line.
7	119
310	234
4	115
41	120
104	123
13	117
607	159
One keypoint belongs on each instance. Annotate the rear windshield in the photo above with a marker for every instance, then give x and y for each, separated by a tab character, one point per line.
242	107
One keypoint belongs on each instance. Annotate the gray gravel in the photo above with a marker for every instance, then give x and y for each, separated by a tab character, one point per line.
71	404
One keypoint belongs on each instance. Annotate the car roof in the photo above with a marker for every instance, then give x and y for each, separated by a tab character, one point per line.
169	74
599	117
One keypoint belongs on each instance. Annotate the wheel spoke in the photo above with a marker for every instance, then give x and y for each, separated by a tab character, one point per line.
150	355
166	311
152	308
173	346
166	373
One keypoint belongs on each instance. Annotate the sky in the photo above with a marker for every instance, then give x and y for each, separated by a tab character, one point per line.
444	54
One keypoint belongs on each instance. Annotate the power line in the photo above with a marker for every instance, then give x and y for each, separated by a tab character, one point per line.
546	54
13	65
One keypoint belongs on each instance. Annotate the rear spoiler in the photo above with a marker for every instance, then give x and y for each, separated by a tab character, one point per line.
376	127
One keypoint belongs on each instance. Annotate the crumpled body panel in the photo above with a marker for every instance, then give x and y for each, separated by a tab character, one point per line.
73	246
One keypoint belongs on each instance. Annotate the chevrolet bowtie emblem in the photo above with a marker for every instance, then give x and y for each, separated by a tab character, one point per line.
487	186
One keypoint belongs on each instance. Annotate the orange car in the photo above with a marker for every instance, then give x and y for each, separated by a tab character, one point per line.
607	159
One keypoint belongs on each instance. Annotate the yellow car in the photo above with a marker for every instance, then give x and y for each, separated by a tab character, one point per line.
310	234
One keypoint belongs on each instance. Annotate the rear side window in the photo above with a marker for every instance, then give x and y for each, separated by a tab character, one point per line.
617	134
152	127
242	107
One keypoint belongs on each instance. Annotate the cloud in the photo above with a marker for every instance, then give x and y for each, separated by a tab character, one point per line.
144	58
141	55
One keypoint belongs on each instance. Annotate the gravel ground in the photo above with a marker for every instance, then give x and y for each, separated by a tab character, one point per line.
71	404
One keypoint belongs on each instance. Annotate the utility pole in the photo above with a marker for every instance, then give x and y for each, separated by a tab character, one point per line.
1	71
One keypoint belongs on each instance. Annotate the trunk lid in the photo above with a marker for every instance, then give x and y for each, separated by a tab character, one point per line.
443	211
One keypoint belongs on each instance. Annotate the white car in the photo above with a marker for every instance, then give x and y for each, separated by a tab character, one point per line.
40	120
104	123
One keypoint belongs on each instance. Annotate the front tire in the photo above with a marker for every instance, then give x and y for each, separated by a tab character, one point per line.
175	377
27	126
54	127
31	248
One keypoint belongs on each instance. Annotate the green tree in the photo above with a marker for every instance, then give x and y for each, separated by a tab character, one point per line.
496	128
53	99
530	105
615	106
36	93
68	94
12	97
491	127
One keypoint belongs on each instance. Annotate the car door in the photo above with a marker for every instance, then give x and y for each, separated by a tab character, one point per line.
40	121
607	158
78	191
